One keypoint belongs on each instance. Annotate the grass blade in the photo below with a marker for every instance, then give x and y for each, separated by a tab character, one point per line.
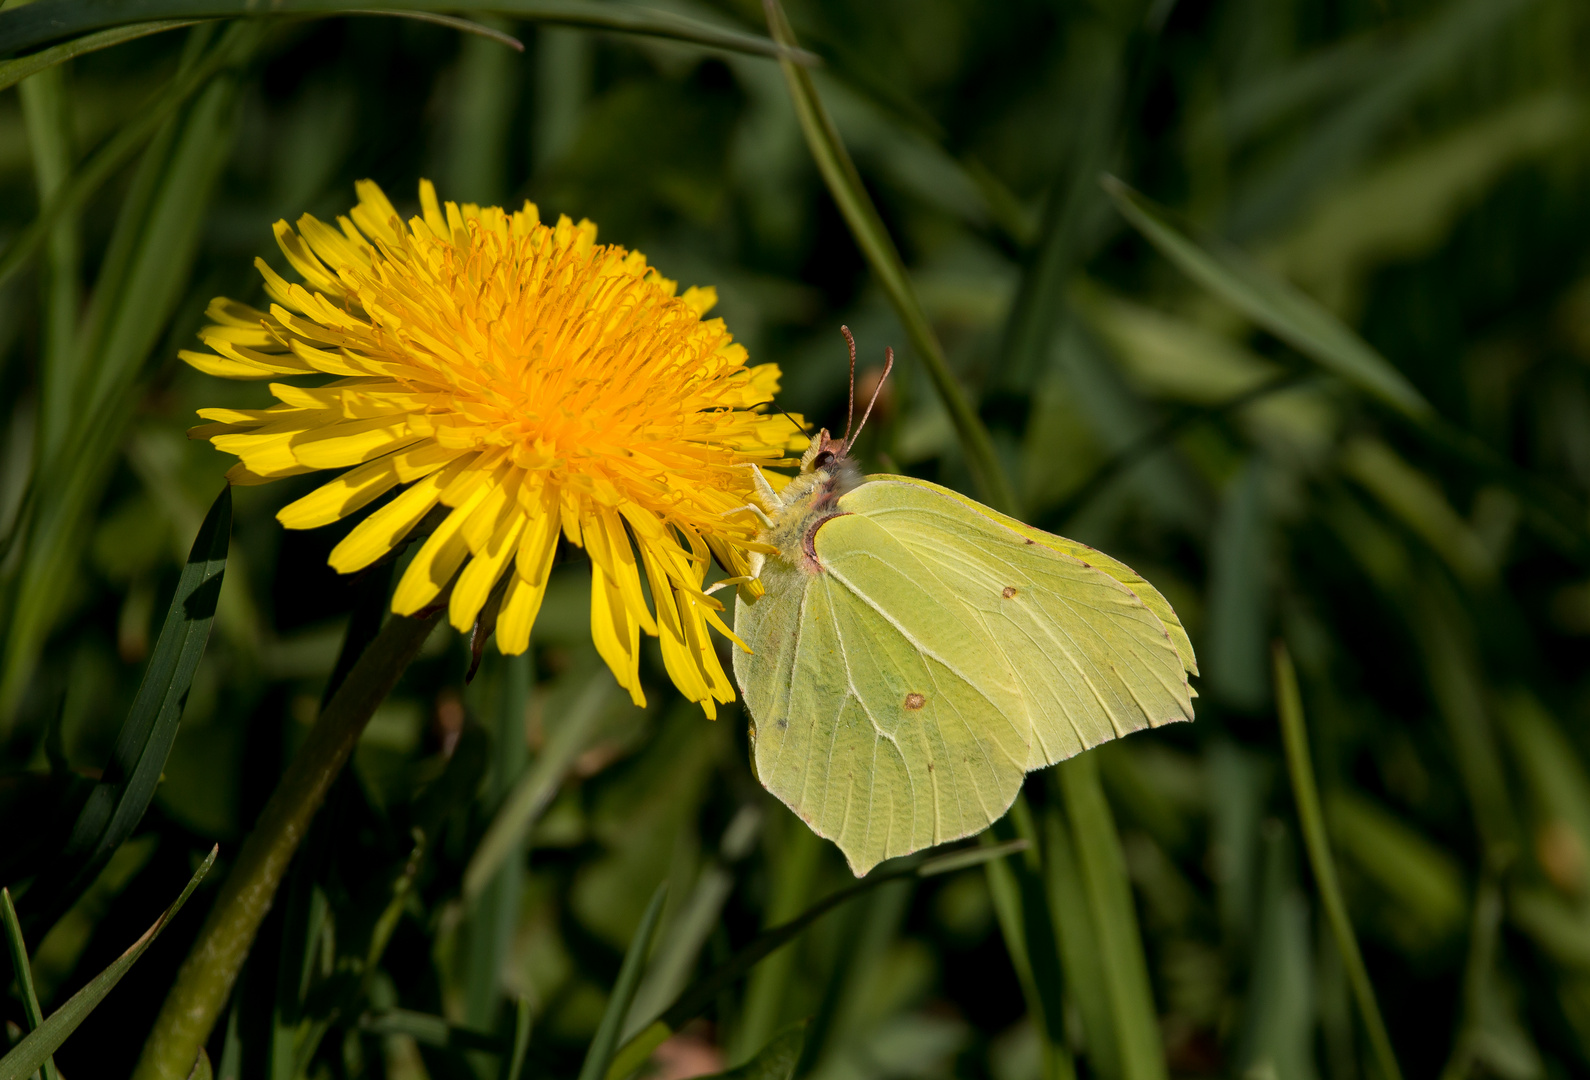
140	282
844	184
117	803
534	790
47	113
33	1051
102	165
700	995
1312	819
1103	866
600	1054
14	71
513	1066
494	915
18	949
1274	304
775	1061
46	21
205	980
1011	895
1078	944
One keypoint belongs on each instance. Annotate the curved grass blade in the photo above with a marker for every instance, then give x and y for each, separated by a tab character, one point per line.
204	982
1290	705
14	71
18	949
1274	304
117	803
534	790
30	1054
46	21
700	995
513	1065
1301	322
114	153
452	22
775	1061
600	1054
844	184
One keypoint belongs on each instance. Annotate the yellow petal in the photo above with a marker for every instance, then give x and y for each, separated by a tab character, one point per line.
476	582
361	486
379	533
615	634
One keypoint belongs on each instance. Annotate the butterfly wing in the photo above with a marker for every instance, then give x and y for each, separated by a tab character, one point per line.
1092	556
1094	661
885	716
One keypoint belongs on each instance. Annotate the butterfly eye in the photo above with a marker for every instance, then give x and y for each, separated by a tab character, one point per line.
823	459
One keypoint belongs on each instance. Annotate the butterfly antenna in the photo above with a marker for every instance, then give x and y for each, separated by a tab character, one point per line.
888	366
798	425
850	413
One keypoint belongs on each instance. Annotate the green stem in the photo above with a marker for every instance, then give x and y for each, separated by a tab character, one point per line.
844	184
205	980
1295	736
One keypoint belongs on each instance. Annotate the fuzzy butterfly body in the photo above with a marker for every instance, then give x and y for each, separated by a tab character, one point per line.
914	654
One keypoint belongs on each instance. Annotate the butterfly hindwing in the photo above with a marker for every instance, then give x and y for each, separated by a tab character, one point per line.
890	721
1095	662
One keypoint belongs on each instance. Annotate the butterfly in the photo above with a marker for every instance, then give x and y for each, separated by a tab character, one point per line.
913	653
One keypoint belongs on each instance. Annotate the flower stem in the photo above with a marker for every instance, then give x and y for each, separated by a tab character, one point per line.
205	980
1290	705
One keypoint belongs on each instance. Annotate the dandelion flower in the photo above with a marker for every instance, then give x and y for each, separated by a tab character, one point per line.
528	382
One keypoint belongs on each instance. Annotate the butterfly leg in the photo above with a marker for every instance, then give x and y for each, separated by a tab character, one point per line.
764	491
753	508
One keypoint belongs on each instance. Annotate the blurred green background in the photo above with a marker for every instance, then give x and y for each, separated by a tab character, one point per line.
1418	168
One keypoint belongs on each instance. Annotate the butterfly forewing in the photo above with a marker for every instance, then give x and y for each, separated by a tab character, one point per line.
1116	569
1094	662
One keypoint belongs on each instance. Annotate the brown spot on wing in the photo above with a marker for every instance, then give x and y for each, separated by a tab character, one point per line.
1008	591
914	701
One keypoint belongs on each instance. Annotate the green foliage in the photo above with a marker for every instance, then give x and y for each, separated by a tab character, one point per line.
1313	356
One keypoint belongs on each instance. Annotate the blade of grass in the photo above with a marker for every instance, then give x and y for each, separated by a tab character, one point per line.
1079	945
844	184
1312	819
47	115
117	804
775	1061
429	1030
1297	319
513	1066
452	22
114	153
46	21
204	982
1272	303
18	949
141	280
14	71
1109	893
490	927
535	789
1012	910
600	1054
30	1054
699	996
795	861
